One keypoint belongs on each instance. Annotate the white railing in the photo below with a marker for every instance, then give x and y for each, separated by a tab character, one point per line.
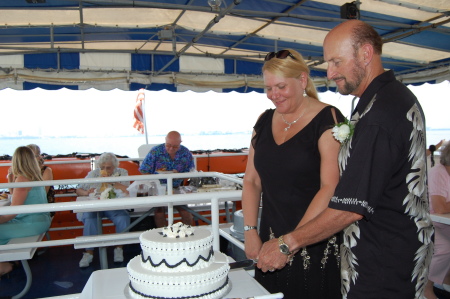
130	202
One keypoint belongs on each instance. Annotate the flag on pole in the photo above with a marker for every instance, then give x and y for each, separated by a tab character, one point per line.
138	112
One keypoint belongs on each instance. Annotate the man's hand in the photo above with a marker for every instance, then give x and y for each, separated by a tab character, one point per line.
270	258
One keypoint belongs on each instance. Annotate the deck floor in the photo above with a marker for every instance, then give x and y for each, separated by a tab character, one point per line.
56	272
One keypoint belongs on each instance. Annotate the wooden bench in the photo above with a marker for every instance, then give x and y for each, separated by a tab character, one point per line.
22	255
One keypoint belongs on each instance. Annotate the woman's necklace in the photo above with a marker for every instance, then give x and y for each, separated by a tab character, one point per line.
291	123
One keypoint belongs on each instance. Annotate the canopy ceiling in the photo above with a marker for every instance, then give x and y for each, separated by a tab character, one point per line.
187	44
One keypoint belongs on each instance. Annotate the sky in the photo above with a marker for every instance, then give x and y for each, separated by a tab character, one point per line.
100	113
434	99
110	113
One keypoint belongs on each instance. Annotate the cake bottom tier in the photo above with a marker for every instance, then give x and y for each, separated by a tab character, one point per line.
207	283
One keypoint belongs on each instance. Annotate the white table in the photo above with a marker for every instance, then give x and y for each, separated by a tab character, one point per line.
110	284
441	218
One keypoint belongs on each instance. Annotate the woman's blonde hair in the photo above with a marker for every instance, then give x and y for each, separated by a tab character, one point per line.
292	68
35	148
25	164
37	153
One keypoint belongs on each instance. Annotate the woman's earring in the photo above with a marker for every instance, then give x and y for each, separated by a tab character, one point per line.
304	93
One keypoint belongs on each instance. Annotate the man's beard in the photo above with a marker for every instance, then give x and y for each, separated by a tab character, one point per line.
358	73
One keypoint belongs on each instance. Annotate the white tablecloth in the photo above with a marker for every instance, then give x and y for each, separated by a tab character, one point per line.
111	283
441	218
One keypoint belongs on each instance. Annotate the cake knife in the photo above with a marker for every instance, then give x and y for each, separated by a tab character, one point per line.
270	296
242	264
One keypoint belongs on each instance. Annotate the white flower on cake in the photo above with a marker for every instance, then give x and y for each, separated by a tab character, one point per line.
178	230
108	193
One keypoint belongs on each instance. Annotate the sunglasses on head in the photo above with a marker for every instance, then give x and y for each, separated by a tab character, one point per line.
282	54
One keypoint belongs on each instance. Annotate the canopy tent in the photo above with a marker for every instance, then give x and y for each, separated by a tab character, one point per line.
203	44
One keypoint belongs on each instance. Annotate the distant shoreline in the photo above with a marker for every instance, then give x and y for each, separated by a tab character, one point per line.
127	136
128	145
428	129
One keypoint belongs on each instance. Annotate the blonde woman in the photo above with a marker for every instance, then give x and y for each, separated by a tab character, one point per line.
24	168
47	173
293	167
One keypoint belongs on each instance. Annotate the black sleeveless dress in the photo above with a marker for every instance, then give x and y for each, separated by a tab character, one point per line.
290	177
50	193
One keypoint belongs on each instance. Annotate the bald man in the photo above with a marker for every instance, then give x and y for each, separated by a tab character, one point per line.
169	156
381	200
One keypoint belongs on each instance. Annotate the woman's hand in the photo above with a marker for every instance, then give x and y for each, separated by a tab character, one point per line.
121	187
10	178
252	244
82	192
18	198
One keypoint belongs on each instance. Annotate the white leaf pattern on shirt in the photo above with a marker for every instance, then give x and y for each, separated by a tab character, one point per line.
348	259
352	232
416	202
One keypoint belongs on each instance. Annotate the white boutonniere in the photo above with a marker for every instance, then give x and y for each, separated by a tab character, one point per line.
343	131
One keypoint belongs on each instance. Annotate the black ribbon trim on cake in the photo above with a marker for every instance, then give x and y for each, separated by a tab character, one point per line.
184	297
211	253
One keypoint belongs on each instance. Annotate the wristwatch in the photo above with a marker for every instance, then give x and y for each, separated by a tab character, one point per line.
284	248
248	227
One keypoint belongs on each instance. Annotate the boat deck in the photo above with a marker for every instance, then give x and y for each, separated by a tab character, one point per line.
56	272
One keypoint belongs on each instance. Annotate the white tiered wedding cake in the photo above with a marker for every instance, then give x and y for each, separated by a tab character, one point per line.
178	262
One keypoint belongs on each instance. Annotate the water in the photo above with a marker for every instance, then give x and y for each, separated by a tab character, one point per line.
127	146
124	146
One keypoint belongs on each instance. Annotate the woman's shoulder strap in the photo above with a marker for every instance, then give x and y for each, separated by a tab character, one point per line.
333	112
336	114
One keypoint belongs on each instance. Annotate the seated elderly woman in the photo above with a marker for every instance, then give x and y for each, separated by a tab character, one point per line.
25	168
107	165
439	191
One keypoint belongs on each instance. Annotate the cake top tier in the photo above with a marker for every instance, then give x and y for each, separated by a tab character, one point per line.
173	240
178	230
